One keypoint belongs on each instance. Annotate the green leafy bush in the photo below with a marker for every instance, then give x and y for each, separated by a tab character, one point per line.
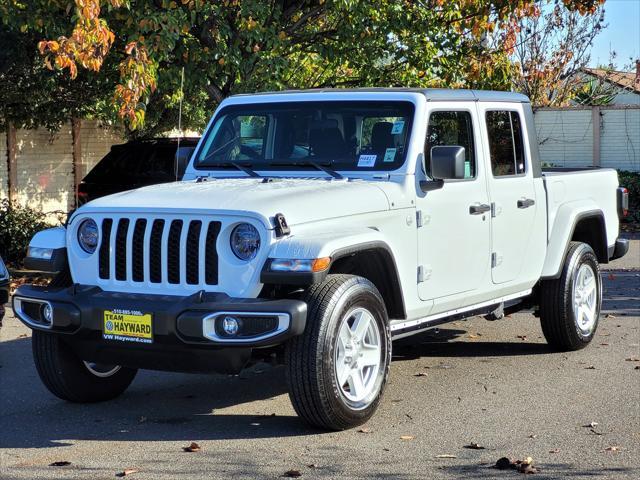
17	225
631	180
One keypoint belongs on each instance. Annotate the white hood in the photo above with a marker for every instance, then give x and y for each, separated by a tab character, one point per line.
299	200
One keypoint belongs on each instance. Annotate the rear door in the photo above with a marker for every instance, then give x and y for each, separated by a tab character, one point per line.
511	189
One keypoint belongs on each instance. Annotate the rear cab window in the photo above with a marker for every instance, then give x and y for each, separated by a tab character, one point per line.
506	144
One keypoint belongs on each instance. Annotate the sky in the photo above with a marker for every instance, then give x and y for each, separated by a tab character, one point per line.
622	35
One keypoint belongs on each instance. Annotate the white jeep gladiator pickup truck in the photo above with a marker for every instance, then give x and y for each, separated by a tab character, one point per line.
323	225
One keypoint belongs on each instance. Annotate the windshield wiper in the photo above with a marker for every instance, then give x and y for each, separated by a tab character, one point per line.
245	168
309	163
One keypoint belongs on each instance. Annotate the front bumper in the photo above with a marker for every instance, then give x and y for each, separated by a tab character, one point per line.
183	338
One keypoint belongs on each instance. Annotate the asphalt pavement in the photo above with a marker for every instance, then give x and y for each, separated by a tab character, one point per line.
493	384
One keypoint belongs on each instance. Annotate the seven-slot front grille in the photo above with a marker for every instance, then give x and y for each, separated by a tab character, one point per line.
175	251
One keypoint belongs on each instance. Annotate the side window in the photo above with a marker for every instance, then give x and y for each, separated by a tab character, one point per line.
451	128
506	148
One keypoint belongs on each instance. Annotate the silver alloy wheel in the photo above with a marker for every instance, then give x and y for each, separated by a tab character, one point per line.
101	370
585	299
358	358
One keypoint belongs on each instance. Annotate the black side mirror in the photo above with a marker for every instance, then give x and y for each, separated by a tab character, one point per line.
183	155
447	162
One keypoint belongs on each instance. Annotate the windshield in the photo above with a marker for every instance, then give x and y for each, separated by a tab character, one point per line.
340	135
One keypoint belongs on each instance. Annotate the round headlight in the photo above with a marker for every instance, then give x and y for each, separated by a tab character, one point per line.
88	235
245	241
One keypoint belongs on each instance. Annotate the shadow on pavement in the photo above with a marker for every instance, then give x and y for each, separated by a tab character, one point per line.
439	343
546	471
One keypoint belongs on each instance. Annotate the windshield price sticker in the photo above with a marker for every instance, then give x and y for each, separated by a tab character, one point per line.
389	155
367	160
397	127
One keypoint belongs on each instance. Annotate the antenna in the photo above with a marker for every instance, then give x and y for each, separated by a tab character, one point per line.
179	123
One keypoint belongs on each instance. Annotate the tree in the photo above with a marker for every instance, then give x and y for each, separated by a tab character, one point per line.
550	51
235	46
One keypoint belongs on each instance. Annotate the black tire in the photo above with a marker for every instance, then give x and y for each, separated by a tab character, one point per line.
67	376
312	357
560	324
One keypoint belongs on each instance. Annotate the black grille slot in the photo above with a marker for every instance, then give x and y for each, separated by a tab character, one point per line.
211	254
173	252
193	252
137	253
121	249
103	260
155	251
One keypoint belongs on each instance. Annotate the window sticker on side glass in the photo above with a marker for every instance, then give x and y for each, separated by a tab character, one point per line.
389	155
397	127
367	160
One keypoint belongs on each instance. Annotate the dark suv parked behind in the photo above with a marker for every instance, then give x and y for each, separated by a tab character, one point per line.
136	164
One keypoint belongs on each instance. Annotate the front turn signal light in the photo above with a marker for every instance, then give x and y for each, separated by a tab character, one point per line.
301	265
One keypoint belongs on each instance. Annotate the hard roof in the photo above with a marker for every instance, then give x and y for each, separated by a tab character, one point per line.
431	94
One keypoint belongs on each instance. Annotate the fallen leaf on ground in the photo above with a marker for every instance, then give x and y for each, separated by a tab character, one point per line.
591	425
446	455
632	359
604	344
522	466
407	437
292	474
471	335
555	450
63	463
503	463
364	430
590	367
609	315
312	465
612	448
193	447
420	374
522	337
474	446
533	435
127	471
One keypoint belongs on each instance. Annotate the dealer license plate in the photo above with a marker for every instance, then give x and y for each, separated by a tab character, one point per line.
127	326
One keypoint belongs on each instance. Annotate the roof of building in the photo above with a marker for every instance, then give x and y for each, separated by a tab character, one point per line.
440	94
628	80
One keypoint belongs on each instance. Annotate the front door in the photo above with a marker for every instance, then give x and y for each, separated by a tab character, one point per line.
512	191
454	239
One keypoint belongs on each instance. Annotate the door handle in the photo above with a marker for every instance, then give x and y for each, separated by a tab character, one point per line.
479	209
526	203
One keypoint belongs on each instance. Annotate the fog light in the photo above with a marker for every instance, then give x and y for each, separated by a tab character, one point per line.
230	326
47	313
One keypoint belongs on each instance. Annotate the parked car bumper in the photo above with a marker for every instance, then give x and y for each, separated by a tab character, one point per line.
4	297
159	332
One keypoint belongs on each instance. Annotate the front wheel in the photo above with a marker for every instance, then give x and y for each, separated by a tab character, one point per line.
570	305
337	369
72	379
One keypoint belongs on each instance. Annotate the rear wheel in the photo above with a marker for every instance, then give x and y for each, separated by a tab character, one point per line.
570	305
73	379
337	369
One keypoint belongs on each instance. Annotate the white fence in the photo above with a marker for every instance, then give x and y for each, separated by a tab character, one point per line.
590	136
